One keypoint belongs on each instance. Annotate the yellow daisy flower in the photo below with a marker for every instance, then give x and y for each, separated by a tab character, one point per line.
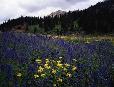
65	69
68	75
36	76
38	60
74	68
47	61
59	80
47	66
40	69
19	74
54	85
43	75
54	71
58	61
60	65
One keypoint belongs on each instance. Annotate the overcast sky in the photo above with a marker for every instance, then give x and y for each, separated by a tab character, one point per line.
15	8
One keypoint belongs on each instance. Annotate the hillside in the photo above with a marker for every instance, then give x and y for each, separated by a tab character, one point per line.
96	19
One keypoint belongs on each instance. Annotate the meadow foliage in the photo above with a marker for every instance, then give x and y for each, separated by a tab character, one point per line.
29	60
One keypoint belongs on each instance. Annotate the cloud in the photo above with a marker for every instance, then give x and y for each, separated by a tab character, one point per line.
75	1
82	5
44	12
15	8
34	5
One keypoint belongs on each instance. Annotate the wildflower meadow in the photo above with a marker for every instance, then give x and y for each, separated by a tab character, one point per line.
28	60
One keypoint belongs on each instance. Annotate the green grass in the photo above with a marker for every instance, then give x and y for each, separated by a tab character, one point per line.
86	38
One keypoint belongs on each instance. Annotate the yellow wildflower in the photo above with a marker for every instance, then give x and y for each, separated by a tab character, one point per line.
58	61
19	74
54	85
68	75
59	80
53	61
47	61
54	71
47	66
38	60
36	76
40	69
74	68
60	65
67	65
43	75
65	69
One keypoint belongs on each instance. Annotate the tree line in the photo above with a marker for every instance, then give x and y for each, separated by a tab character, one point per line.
95	19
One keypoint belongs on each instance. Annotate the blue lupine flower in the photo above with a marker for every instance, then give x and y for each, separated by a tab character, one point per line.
24	47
